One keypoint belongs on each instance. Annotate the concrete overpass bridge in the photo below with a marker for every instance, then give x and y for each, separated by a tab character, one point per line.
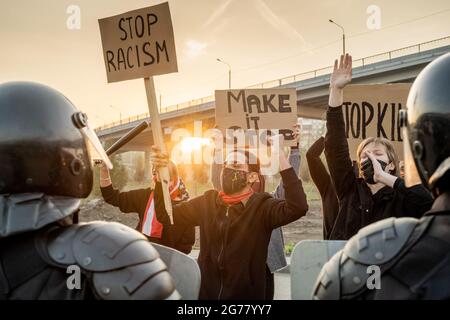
401	65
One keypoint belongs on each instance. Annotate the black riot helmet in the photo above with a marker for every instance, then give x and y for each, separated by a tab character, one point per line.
46	145
426	127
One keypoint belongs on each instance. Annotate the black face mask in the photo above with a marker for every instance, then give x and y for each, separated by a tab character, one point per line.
367	170
233	180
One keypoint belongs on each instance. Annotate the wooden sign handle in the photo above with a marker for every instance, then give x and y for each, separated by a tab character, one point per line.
159	141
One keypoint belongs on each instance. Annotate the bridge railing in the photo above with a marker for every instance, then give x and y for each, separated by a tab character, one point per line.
385	56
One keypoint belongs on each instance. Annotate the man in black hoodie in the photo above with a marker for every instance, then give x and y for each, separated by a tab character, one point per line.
236	225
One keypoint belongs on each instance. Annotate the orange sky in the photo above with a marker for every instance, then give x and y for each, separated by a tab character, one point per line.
261	39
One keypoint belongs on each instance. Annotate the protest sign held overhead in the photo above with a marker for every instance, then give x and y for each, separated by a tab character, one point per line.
372	111
138	43
257	110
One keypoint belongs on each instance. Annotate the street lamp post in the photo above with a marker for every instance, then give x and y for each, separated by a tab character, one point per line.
229	72
120	112
343	34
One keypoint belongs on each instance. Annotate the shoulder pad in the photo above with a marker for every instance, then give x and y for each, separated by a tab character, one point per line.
346	273
381	241
328	285
123	263
100	246
340	278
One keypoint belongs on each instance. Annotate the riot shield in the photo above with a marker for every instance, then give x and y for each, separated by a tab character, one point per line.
307	260
183	269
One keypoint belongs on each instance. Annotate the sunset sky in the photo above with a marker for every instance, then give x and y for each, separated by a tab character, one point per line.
261	39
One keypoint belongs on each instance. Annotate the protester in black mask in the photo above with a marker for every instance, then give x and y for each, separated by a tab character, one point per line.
384	153
236	225
378	193
276	258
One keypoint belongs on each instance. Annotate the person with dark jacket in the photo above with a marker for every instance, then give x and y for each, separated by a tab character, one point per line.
236	225
141	201
378	193
322	180
276	258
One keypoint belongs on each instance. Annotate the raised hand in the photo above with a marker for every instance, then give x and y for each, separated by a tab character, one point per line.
341	76
276	141
342	72
379	175
158	158
105	178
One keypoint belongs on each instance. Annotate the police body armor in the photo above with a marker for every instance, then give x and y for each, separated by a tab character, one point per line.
46	153
111	260
412	256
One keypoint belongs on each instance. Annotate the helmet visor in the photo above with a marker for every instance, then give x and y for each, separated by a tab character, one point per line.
412	177
95	148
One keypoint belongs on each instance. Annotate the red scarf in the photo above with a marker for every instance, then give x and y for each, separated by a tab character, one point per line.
231	200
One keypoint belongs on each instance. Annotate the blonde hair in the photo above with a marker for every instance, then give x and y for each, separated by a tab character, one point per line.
390	151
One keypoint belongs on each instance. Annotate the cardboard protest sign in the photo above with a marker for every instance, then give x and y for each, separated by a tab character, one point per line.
373	111
257	110
138	43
